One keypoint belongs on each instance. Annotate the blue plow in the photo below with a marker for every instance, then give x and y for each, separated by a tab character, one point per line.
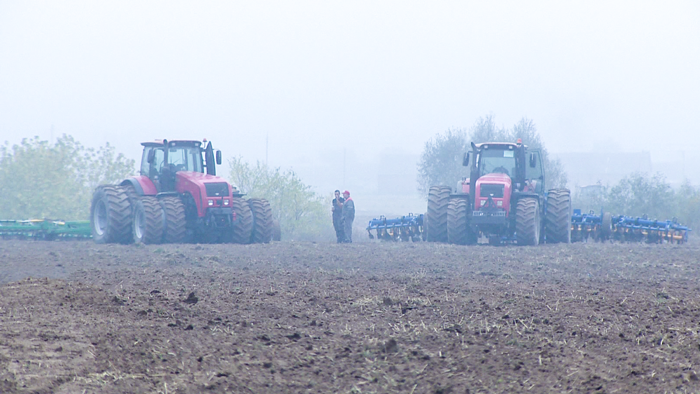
585	226
404	228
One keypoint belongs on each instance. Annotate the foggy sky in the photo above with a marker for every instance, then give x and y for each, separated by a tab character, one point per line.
369	77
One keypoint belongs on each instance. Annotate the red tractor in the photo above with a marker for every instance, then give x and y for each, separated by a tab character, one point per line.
178	198
504	200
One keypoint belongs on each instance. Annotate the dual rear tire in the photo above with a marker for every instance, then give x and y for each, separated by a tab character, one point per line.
438	201
110	215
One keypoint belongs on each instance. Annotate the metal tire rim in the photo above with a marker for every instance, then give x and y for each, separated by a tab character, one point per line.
100	218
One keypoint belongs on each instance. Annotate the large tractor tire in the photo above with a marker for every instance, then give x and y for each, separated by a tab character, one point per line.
262	221
558	217
175	221
276	230
148	220
243	226
527	221
110	216
438	200
457	222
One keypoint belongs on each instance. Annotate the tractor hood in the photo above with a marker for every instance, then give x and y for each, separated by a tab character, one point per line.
206	190
493	191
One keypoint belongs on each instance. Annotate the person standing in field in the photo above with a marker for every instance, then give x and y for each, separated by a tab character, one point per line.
337	210
348	216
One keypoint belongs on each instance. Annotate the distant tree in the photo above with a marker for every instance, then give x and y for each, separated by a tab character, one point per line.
526	131
43	180
441	161
302	214
688	205
638	194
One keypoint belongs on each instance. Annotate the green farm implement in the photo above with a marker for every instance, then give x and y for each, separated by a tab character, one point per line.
45	229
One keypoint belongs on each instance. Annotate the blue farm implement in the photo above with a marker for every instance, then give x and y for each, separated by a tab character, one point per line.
44	229
404	228
585	226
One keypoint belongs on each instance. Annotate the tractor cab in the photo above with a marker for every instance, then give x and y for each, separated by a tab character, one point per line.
508	162
162	160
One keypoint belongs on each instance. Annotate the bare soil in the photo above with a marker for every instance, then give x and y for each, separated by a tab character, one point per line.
363	318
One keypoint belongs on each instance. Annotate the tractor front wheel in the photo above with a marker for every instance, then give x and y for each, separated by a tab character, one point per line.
243	225
148	220
527	221
558	217
262	221
110	215
175	221
457	222
438	201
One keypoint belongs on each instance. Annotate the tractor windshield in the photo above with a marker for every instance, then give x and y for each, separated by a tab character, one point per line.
185	158
497	160
180	158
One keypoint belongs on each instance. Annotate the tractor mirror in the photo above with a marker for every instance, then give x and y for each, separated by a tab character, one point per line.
151	156
218	157
533	160
465	160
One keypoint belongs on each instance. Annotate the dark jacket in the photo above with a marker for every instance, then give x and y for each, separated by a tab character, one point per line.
337	208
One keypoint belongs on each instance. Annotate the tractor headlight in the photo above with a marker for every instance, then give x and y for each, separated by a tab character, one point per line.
482	203
210	203
226	202
499	203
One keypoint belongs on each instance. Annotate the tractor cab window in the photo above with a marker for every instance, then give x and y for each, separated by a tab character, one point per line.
497	161
534	173
183	158
152	169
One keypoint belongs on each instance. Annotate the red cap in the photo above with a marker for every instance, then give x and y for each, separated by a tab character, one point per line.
346	192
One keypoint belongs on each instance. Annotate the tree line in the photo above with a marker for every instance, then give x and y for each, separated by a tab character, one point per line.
640	194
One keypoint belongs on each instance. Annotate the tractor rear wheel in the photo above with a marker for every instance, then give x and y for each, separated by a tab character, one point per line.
438	200
243	226
148	220
457	222
558	217
262	221
175	222
527	221
110	216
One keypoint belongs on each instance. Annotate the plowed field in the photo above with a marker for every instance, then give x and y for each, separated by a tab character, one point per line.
76	317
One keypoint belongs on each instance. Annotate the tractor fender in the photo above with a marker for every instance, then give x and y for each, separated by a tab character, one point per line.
142	185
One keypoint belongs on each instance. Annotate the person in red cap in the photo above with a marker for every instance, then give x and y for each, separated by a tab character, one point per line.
348	215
